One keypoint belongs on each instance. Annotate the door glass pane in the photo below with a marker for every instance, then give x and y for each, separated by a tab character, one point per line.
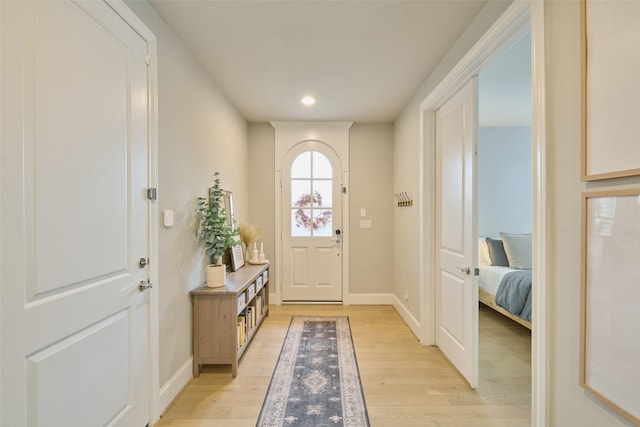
323	192
322	224
321	166
301	222
301	166
311	195
300	191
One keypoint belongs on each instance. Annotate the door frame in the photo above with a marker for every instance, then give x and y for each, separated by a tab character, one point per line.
336	136
140	27
513	23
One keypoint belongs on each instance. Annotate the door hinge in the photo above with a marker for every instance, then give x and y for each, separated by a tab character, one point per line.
152	193
344	190
147	59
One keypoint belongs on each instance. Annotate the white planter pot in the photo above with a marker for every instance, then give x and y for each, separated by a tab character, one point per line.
216	275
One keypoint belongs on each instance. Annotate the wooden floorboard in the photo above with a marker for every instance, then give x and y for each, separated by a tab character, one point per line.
405	384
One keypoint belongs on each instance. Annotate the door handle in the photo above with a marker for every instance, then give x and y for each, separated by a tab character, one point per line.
466	269
144	285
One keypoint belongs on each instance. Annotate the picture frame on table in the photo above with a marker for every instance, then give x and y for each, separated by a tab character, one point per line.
610	89
610	299
236	255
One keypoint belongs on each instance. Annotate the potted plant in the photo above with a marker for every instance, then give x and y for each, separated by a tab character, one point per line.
216	232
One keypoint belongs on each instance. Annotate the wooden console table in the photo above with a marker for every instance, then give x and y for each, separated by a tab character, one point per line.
225	319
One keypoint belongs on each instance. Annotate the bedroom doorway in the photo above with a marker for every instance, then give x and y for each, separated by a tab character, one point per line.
504	218
519	19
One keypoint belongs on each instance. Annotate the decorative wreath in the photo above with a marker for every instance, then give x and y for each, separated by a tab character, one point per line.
303	220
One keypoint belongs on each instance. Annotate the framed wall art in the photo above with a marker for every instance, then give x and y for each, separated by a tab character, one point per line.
610	299
610	89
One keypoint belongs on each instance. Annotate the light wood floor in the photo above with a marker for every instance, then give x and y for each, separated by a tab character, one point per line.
405	384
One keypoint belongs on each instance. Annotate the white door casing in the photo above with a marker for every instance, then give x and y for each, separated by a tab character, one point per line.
312	256
456	291
287	135
75	217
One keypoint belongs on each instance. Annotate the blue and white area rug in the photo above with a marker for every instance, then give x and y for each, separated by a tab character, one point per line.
316	381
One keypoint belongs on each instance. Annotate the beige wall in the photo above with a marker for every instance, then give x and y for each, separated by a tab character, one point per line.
200	132
261	186
370	152
569	404
371	188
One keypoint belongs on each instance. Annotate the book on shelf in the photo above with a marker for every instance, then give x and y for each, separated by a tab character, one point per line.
242	328
259	305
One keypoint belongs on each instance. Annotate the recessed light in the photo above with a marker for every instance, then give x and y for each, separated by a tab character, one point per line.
308	100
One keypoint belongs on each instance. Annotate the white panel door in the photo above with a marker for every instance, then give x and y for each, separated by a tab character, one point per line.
457	293
311	224
75	326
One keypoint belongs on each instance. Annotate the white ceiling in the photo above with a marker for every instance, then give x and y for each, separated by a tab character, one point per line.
361	60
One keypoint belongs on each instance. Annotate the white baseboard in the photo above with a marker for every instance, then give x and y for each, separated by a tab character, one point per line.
170	390
370	299
357	299
406	315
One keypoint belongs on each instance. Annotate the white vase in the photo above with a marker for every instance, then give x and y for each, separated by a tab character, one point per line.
216	275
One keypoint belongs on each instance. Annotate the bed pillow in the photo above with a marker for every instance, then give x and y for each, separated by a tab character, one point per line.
483	252
518	250
497	253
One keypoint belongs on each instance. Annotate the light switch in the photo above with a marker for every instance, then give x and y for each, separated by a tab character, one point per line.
167	218
363	212
366	223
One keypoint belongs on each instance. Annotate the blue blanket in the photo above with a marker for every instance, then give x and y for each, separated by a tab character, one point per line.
514	293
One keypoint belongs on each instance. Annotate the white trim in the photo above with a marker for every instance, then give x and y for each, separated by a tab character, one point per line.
276	298
345	235
510	26
371	299
406	315
287	135
427	247
540	329
172	388
152	128
1	239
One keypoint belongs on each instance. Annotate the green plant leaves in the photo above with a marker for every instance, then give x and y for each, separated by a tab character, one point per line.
214	229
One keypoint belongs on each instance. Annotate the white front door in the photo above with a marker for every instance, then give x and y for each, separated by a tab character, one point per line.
311	224
74	217
456	291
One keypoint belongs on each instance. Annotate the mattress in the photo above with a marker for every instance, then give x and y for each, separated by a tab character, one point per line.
490	276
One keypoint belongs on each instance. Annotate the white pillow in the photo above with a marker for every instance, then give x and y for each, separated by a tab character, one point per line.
518	250
483	252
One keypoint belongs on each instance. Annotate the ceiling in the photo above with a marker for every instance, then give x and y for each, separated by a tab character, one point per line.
361	60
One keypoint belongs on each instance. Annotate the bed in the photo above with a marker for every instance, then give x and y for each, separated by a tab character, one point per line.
504	279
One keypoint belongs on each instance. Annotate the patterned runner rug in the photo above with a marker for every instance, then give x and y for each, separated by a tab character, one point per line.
316	381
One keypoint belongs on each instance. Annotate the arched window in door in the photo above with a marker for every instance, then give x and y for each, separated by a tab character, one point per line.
311	195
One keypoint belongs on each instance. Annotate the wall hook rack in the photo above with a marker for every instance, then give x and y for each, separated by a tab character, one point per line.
403	200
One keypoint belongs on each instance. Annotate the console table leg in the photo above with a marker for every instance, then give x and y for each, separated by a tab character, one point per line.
196	369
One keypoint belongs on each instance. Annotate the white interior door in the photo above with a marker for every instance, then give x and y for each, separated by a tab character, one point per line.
74	217
457	293
311	224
